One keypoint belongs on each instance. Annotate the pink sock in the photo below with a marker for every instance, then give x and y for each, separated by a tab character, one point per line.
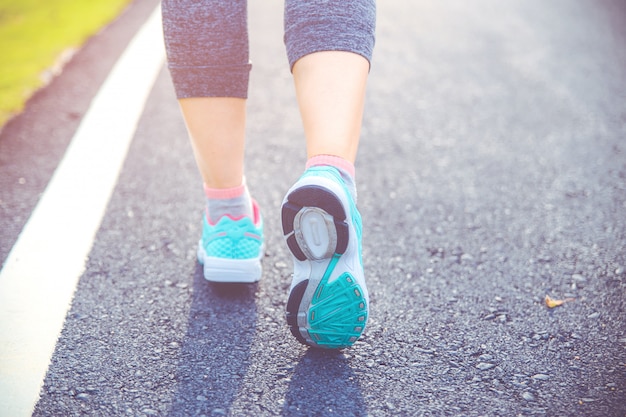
233	202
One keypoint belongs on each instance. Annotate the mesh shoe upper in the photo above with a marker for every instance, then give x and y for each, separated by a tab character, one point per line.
233	238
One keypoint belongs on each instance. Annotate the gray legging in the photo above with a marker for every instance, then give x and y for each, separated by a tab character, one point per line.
207	40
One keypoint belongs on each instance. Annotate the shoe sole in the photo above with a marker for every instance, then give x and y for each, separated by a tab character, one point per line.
230	270
329	309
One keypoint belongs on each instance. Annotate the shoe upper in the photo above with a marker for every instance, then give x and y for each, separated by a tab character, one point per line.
234	238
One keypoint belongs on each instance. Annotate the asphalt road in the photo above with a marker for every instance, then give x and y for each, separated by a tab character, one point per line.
492	172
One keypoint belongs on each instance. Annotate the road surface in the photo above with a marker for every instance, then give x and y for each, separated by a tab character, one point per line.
491	173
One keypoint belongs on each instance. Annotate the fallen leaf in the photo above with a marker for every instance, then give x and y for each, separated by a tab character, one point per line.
551	303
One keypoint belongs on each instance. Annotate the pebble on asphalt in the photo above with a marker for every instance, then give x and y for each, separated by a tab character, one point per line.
483	366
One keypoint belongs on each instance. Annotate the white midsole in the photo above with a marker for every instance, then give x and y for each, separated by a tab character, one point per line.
230	270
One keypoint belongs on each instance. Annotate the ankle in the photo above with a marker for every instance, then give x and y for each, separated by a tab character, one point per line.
331	160
234	202
343	166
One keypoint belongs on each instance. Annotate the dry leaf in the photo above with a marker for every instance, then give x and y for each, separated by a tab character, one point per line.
553	303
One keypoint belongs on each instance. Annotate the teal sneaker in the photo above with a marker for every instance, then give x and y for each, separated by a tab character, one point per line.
328	301
231	250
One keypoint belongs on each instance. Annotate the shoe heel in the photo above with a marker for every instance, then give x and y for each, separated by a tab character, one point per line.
314	223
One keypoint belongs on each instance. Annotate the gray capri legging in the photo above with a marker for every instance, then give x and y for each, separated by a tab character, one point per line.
207	40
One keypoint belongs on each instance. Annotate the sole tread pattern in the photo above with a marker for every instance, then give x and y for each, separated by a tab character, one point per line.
337	311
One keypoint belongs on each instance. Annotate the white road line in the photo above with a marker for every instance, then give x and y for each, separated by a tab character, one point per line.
40	275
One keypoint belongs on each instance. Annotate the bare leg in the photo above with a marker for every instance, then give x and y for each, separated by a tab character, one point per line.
216	126
330	88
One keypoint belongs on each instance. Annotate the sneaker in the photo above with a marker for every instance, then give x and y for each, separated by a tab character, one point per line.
328	301
231	250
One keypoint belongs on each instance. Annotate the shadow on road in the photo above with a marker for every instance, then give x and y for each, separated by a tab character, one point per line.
323	383
215	352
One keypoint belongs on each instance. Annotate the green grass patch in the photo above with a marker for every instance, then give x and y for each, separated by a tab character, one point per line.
35	33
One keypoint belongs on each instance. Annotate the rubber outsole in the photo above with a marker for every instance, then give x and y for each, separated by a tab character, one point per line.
311	197
293	304
320	313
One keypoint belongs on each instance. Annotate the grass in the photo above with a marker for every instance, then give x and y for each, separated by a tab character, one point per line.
34	34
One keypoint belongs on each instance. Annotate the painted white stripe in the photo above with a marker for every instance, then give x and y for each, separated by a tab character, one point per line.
40	275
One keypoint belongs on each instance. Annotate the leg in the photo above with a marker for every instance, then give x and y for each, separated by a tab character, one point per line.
330	87
208	58
329	45
216	126
207	51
